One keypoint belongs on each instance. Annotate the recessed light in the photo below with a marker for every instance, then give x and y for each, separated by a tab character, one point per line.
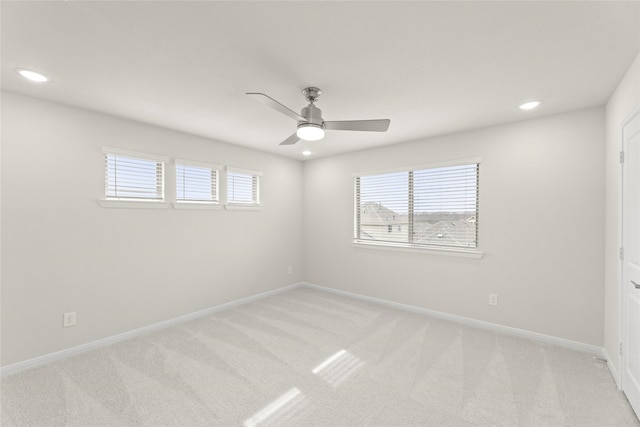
529	105
306	153
33	76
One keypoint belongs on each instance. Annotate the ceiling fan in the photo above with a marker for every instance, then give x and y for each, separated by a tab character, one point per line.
311	125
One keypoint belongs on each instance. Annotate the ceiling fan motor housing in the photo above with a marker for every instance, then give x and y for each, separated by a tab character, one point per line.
312	115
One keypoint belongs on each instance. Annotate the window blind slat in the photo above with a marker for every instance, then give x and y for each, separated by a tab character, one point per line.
196	183
133	178
435	206
242	187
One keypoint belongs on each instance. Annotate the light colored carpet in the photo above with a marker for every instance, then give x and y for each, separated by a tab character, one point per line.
311	358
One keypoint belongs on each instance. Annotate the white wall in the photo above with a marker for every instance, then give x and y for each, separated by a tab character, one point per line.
541	227
622	103
122	269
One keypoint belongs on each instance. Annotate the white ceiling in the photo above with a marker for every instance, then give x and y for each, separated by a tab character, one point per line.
430	67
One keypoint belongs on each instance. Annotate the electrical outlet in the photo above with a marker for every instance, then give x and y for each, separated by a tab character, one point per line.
493	299
290	270
69	319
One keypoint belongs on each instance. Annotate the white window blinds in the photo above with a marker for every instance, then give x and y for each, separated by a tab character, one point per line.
131	177
243	187
196	182
432	206
383	207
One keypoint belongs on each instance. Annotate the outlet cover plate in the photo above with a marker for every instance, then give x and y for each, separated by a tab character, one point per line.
69	319
493	299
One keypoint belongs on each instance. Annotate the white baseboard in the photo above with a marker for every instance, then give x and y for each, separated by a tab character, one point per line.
38	361
575	345
47	358
612	368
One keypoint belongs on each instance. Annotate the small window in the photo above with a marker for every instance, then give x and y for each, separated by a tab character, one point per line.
243	187
133	176
430	206
196	182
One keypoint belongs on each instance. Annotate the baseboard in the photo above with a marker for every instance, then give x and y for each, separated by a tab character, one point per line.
612	368
575	345
41	360
62	354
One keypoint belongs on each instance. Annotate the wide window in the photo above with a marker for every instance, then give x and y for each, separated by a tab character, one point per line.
421	207
133	176
196	182
243	187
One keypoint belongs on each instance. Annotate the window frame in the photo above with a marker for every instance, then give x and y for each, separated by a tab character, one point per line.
132	202
192	203
256	177
425	248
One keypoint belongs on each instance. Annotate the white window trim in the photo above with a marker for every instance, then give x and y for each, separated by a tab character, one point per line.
191	204
410	247
457	162
136	203
133	204
198	204
137	154
422	249
240	205
245	171
198	164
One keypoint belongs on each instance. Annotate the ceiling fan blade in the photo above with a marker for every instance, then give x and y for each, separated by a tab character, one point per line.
291	140
366	125
277	106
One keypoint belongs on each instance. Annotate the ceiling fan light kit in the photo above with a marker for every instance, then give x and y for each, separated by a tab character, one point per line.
310	132
311	125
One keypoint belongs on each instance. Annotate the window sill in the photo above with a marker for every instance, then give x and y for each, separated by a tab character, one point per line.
196	205
459	252
133	204
241	207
